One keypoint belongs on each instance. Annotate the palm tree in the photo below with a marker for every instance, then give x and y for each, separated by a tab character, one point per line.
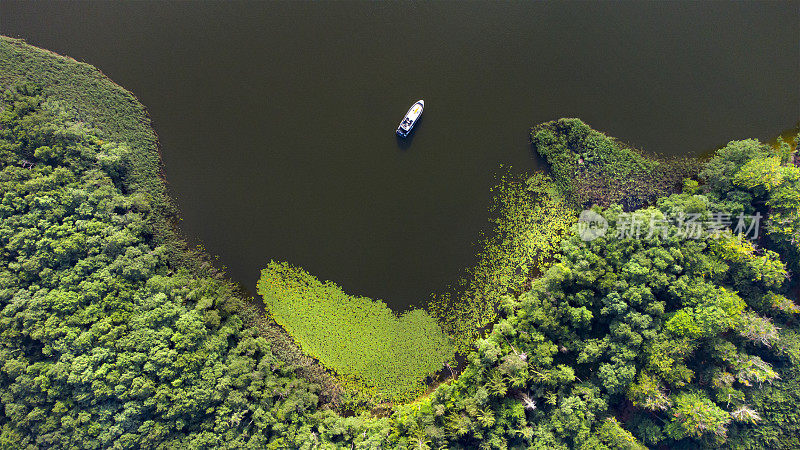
420	438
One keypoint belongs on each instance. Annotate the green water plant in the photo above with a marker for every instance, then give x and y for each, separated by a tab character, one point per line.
361	339
529	218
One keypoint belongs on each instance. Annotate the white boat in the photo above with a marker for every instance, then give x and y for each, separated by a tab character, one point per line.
411	118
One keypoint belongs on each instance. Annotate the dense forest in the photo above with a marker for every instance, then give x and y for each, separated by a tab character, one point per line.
622	301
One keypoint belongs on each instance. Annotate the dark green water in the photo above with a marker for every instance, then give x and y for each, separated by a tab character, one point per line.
277	119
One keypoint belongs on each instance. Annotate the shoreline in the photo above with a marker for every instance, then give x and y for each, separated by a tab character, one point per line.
135	130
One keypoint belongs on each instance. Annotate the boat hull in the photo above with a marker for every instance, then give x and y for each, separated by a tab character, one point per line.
411	118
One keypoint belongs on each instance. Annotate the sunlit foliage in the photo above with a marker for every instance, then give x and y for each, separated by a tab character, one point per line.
765	179
529	218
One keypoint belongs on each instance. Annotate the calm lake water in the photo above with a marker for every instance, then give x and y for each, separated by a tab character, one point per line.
277	119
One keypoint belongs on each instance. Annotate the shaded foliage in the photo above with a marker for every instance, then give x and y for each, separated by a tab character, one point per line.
594	169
